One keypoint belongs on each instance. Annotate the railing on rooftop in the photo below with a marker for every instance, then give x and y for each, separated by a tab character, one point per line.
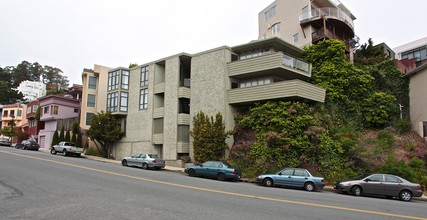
295	63
327	12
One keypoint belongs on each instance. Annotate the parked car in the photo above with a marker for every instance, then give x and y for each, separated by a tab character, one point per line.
292	177
28	145
145	161
380	184
214	169
66	148
5	141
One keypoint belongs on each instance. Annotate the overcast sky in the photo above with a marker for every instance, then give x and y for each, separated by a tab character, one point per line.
75	34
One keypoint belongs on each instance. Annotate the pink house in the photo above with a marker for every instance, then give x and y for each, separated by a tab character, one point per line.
55	112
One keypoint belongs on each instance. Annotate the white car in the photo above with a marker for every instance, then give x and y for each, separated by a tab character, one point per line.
67	148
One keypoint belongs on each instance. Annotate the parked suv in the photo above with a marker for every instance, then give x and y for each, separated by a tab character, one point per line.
66	148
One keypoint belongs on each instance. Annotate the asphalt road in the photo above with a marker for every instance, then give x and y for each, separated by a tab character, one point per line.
37	185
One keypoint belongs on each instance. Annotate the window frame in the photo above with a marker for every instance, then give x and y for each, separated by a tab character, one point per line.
143	99
89	102
145	73
91	84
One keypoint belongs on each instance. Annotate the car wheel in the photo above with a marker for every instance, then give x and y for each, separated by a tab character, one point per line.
405	195
144	166
124	163
268	182
191	172
309	186
356	190
221	176
24	148
53	151
64	153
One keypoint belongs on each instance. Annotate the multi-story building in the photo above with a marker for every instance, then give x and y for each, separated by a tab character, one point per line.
411	55
13	115
418	99
156	101
33	125
94	93
56	112
32	90
305	22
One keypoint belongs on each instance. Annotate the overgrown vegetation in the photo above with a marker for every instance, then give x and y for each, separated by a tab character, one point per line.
355	131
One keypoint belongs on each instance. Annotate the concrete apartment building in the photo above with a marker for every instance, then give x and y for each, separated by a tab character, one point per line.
156	101
305	22
411	55
32	90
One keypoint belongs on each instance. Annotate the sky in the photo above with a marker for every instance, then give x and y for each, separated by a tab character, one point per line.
76	34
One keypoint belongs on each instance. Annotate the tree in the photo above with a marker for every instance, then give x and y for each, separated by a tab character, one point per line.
75	129
79	141
7	131
379	109
131	65
208	137
55	139
62	134
104	129
67	136
8	95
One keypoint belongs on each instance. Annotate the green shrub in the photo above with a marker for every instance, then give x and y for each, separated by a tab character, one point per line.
386	141
403	126
93	152
399	168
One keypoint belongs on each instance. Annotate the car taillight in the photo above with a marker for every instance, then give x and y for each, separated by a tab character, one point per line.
234	172
154	161
419	186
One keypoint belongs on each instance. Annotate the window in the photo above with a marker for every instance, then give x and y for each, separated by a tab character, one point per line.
143	99
12	113
300	173
29	109
254	53
124	101
255	82
276	28
19	113
5	113
270	13
296	38
183	134
125	79
91	100
76	110
35	108
376	178
88	117
112	101
55	110
113	80
46	109
92	82
144	76
288	172
305	12
392	179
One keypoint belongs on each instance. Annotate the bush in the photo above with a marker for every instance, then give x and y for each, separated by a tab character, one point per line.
403	126
386	141
93	152
399	168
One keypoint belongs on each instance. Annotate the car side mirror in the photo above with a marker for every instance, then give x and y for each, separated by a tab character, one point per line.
201	165
367	180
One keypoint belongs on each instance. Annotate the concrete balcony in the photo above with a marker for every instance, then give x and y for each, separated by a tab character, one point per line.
183	119
184	92
159	88
277	64
284	90
159	112
183	147
330	13
158	138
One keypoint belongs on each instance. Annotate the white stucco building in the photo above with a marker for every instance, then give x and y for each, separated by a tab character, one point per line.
32	90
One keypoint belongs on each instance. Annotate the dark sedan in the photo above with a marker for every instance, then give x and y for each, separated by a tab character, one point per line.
214	169
28	145
380	184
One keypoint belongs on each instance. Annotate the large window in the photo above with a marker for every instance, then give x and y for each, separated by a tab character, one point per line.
143	99
92	82
276	28
418	54
19	113
46	109
113	80
29	109
12	113
5	113
270	13
124	101
125	79
35	108
112	101
88	117
91	100
144	76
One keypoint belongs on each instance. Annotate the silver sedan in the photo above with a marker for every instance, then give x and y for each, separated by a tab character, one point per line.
145	161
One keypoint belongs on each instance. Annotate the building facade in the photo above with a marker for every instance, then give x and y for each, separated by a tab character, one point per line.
56	112
305	22
32	90
418	99
14	115
411	55
156	101
33	125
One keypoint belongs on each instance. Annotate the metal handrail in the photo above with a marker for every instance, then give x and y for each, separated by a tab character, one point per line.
327	12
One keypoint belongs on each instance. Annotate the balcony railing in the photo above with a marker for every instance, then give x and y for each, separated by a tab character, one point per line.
327	12
295	63
327	33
